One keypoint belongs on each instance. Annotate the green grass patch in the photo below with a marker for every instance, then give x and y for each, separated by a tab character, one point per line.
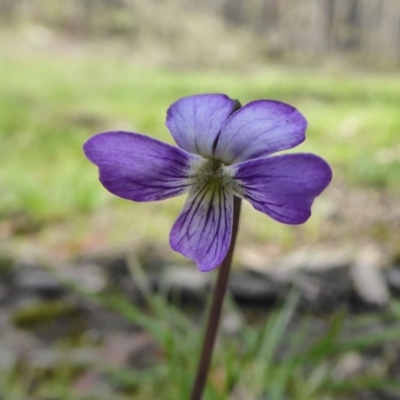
51	104
280	356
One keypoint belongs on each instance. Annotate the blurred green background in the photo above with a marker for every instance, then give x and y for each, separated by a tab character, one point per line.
71	69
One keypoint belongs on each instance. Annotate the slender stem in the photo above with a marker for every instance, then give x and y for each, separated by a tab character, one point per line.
215	309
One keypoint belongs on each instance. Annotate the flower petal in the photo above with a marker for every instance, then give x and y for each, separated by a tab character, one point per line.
283	187
203	230
259	129
139	168
196	121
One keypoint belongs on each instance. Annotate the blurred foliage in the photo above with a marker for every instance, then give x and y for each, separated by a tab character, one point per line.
279	357
51	105
358	31
57	88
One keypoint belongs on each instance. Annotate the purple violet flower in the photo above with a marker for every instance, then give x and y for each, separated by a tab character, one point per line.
223	152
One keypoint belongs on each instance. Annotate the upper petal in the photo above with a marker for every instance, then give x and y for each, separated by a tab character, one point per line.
258	129
196	121
283	187
139	168
203	230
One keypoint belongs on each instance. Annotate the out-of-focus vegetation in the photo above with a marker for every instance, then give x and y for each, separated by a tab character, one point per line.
51	104
278	357
71	69
220	32
68	71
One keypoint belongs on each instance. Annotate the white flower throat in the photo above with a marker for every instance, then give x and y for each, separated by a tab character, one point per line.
212	172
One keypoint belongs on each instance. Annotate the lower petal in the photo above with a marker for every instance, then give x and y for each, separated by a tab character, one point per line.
139	168
283	187
203	230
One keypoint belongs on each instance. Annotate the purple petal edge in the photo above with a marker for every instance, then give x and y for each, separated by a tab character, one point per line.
285	186
196	121
258	129
137	167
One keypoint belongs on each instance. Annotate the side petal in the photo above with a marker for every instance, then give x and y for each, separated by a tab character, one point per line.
203	230
139	168
283	187
259	129
196	121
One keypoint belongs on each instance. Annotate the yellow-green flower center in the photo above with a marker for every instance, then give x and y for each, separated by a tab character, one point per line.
212	172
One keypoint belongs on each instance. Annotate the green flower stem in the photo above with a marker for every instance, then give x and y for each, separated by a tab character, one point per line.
215	310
